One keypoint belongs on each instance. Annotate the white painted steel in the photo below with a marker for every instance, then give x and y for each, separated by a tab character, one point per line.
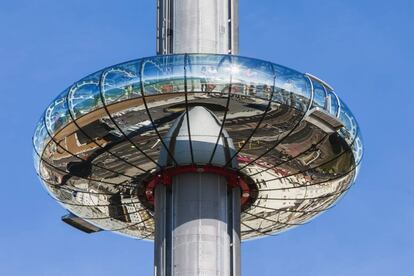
200	242
193	140
198	26
198	217
197	227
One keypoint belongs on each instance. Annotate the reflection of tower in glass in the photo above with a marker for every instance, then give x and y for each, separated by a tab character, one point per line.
197	148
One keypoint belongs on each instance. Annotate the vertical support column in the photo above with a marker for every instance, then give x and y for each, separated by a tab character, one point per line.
162	239
234	26
197	26
198	227
234	230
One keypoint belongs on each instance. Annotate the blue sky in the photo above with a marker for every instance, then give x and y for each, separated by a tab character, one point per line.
362	48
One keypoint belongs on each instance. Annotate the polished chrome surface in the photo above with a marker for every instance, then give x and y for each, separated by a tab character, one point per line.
100	138
197	214
197	138
197	26
195	220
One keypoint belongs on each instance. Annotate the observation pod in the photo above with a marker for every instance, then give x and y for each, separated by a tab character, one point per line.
197	151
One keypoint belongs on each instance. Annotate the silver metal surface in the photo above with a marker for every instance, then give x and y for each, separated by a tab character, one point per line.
197	227
233	228
101	138
194	136
80	224
256	148
197	26
199	216
163	234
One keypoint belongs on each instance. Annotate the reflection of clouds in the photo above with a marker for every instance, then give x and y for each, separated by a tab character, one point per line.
118	78
39	139
117	83
84	97
211	70
358	149
293	86
57	115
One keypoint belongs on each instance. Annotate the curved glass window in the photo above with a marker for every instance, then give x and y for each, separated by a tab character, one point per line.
84	96
357	170
41	136
291	88
358	148
300	168
57	114
251	77
319	95
36	161
163	74
333	106
350	128
209	73
121	82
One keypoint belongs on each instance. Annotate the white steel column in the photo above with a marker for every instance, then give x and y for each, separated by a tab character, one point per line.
197	217
200	242
198	26
197	227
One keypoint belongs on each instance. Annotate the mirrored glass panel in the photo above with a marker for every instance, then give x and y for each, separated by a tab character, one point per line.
350	128
40	137
57	114
84	96
121	83
208	74
292	88
319	95
333	104
97	146
163	75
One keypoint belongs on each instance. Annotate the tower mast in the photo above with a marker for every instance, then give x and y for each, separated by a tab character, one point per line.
149	151
197	218
198	26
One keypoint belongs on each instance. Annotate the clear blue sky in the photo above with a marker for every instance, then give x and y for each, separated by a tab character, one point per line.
362	48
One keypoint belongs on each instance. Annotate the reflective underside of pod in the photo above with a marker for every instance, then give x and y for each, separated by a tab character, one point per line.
99	141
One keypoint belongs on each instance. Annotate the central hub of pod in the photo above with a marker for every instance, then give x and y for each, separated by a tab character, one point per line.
198	143
198	138
248	188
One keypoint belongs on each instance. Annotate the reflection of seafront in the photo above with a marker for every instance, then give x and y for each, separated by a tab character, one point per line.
293	202
101	138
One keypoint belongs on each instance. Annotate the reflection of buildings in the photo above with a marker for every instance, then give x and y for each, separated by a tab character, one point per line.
288	201
107	139
303	147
